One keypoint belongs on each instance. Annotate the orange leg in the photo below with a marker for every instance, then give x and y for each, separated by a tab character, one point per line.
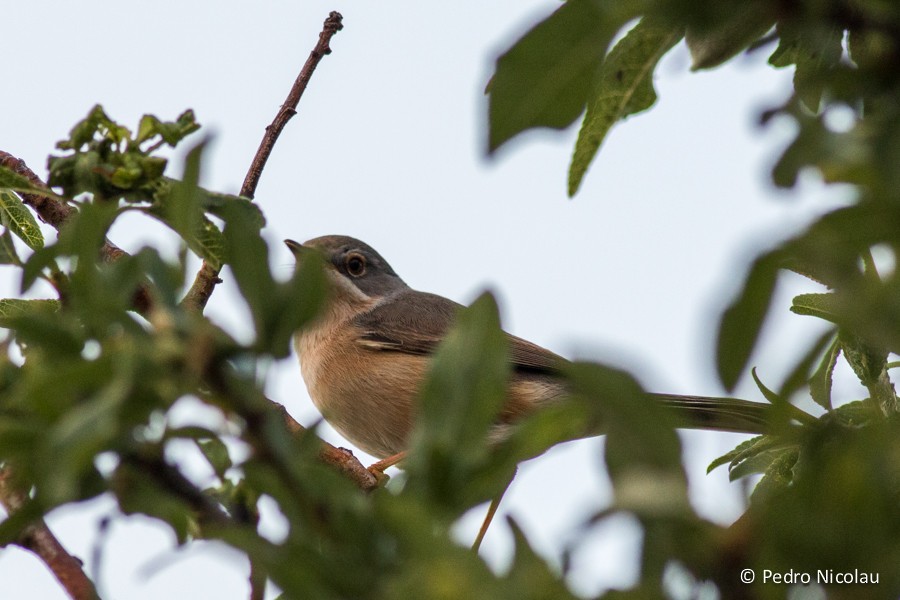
378	469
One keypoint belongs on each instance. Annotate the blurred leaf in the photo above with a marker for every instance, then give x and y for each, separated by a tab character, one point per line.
839	156
821	380
815	50
743	319
462	394
13	308
530	574
624	87
8	254
544	80
139	494
11	180
216	453
731	30
16	217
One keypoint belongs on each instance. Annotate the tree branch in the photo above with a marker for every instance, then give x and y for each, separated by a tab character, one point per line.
57	214
38	539
207	277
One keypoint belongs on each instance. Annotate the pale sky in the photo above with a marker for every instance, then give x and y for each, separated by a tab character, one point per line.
389	146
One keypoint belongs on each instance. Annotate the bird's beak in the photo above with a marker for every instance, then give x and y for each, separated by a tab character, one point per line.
295	247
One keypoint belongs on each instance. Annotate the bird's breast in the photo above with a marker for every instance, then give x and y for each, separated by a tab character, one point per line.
366	395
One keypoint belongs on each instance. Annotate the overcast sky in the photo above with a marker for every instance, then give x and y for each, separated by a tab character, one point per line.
389	146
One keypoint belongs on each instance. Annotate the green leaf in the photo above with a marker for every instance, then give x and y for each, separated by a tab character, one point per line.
731	28
742	320
800	374
769	395
8	254
171	132
544	80
821	380
13	308
731	456
823	306
778	474
815	50
530	572
16	217
11	180
462	394
624	87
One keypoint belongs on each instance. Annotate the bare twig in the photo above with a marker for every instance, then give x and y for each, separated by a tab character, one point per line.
38	538
207	277
332	25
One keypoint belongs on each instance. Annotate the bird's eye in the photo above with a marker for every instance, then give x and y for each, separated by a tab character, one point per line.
356	264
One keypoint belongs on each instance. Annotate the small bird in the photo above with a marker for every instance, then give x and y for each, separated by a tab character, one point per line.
365	357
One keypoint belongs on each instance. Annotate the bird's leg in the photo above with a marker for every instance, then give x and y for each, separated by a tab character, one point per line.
377	469
492	510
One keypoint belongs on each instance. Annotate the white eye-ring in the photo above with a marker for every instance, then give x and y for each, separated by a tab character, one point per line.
356	264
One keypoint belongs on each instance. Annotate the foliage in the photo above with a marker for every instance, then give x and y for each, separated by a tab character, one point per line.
88	379
811	510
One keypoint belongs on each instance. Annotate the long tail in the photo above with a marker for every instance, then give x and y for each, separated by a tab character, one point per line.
717	414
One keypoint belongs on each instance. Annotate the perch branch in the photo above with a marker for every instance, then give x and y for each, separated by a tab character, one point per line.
38	539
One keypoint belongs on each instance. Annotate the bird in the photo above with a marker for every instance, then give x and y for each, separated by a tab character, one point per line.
365	356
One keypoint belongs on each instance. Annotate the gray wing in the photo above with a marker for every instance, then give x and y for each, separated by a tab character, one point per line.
416	322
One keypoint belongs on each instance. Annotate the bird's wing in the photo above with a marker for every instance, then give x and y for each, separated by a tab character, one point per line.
416	322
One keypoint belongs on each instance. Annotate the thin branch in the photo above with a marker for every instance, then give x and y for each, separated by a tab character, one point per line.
208	277
38	539
332	25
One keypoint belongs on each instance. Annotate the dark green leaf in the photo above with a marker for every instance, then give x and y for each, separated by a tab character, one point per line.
8	254
815	50
545	78
624	87
530	573
16	217
216	452
462	394
732	29
820	382
13	181
13	308
742	321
